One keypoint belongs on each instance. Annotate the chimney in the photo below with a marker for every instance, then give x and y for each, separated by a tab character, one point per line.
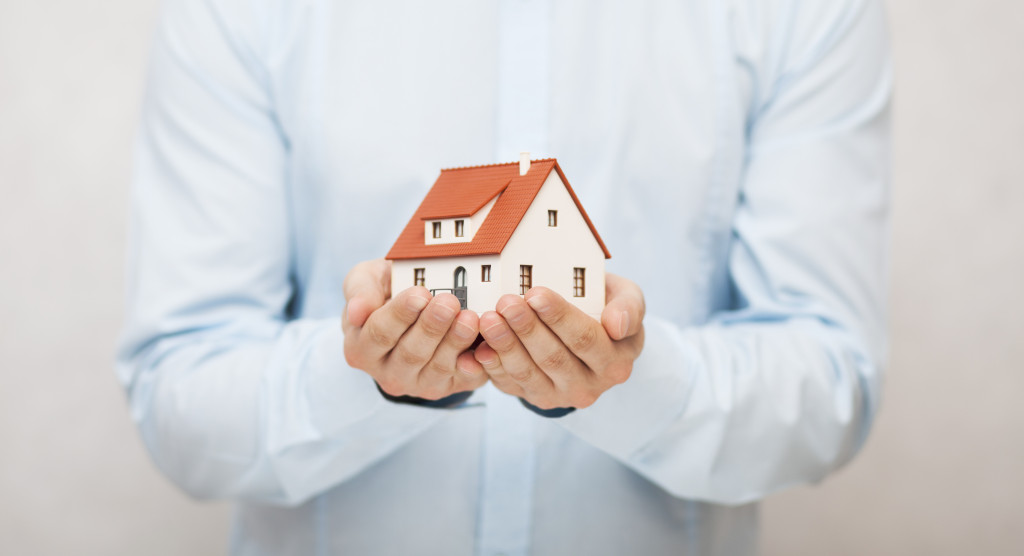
524	162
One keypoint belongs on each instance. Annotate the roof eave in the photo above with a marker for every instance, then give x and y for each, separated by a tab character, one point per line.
583	212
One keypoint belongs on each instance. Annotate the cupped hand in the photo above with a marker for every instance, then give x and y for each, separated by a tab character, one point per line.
412	344
545	350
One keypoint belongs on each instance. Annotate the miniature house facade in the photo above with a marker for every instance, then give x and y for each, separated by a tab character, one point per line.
486	231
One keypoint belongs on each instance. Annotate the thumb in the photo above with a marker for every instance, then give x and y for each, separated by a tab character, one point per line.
367	287
624	308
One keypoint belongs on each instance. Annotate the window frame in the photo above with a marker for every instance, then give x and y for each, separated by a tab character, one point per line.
579	281
460	228
419	277
485	273
552	218
436	230
525	278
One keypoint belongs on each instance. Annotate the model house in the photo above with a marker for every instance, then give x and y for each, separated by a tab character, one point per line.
485	231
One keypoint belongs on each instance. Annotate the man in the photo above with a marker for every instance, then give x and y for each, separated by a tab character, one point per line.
733	155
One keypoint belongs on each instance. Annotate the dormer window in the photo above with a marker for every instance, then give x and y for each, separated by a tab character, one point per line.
552	218
442	231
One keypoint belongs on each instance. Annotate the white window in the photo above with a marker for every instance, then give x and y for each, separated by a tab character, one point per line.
552	218
437	229
579	282
485	273
419	277
459	227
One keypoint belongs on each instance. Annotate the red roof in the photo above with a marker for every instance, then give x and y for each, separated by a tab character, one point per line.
463	191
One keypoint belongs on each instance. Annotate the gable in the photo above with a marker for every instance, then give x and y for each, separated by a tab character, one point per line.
461	192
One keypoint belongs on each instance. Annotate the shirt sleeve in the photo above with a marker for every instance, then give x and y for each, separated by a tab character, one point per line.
233	398
783	387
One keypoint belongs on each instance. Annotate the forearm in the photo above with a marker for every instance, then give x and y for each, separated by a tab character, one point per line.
267	412
731	413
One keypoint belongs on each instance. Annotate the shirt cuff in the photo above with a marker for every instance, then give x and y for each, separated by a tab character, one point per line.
628	416
344	399
326	416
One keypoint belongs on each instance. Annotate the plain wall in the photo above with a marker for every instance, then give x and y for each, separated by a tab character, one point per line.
74	477
942	474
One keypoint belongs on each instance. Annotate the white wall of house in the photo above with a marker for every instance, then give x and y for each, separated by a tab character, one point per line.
555	251
440	273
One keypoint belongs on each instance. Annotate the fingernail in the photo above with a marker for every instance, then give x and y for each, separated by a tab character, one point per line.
513	314
443	313
487	362
497	331
539	303
623	325
463	330
417	303
462	369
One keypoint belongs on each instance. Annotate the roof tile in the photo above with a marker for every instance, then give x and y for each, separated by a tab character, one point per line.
463	191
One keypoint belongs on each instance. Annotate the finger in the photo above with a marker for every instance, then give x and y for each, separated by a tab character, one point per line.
437	378
632	345
515	361
357	310
490	363
416	347
385	326
545	348
366	287
584	336
624	309
469	373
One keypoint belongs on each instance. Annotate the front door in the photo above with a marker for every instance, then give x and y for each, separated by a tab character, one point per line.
459	289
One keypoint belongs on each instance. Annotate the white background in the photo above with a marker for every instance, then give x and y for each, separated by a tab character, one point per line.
942	474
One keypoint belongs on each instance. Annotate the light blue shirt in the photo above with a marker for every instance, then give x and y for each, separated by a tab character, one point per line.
732	154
